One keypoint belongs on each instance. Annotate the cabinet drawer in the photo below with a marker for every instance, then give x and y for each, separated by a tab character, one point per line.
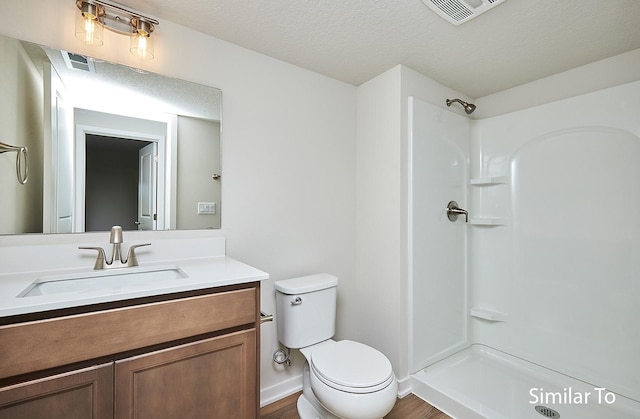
42	344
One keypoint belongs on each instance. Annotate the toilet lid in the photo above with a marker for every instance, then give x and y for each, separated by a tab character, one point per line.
352	365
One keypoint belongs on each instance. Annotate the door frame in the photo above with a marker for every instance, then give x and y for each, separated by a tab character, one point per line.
81	132
58	120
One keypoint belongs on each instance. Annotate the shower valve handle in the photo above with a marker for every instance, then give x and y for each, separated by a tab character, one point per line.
453	210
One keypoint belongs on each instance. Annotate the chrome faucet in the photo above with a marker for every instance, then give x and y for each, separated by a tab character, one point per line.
116	239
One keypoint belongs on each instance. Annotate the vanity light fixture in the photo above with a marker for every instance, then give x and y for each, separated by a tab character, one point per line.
95	15
87	28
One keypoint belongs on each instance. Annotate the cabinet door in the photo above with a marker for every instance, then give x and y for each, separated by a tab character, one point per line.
81	394
211	378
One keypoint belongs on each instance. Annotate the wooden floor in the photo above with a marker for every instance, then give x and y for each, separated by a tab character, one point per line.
409	407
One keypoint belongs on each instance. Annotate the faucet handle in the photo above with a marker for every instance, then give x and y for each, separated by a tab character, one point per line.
100	259
453	210
132	260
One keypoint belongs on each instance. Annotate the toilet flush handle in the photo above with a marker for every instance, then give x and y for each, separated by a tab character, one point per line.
296	302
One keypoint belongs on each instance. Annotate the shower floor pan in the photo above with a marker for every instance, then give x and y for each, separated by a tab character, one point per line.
480	382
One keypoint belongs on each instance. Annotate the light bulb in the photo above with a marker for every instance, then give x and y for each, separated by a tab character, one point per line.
88	28
142	45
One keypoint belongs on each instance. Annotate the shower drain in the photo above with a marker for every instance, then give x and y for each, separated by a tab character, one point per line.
547	412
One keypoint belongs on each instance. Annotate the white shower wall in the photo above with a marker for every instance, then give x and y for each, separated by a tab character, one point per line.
439	143
565	266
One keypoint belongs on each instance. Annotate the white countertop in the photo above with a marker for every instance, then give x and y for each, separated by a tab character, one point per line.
201	272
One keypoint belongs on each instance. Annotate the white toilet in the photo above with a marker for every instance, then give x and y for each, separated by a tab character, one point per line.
342	379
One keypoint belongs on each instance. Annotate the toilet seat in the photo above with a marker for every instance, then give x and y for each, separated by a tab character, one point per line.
351	367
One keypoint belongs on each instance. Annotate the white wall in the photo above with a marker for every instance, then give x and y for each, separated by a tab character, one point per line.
379	297
613	71
374	315
119	123
288	152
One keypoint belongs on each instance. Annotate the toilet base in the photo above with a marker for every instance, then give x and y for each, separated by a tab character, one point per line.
306	410
308	406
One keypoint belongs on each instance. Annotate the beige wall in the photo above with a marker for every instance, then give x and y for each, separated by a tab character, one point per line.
199	152
20	125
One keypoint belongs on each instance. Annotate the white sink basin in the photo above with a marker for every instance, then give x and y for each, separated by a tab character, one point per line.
113	281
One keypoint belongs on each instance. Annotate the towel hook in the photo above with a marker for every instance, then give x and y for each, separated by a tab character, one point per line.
21	172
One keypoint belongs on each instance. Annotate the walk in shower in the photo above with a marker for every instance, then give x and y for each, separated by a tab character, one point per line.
531	308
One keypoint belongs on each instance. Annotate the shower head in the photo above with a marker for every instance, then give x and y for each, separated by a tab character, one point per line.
468	107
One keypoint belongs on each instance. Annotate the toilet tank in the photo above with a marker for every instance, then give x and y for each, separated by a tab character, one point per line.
306	309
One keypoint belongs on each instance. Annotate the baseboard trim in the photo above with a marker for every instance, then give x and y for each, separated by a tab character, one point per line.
280	391
404	387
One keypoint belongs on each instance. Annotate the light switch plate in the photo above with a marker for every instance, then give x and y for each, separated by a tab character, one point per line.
206	208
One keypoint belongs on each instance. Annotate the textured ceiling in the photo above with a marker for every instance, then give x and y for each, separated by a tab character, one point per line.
354	40
112	83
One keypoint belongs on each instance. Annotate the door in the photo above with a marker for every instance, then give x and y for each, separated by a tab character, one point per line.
147	204
59	156
81	394
211	378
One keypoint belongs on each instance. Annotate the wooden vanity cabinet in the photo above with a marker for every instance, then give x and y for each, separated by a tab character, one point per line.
190	356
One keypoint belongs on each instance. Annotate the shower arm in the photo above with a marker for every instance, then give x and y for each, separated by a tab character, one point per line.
452	101
468	107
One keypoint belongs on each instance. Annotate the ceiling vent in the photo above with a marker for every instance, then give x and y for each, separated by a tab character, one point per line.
458	12
78	62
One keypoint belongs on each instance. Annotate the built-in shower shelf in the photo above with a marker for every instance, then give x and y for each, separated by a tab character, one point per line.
489	315
485	181
487	221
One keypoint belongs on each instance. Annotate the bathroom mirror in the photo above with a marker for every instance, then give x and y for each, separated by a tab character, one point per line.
107	145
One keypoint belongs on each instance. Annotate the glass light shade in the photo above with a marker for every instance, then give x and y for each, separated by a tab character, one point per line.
88	29
142	46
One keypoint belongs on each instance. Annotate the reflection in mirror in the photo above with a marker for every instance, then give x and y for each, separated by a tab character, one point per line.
108	145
